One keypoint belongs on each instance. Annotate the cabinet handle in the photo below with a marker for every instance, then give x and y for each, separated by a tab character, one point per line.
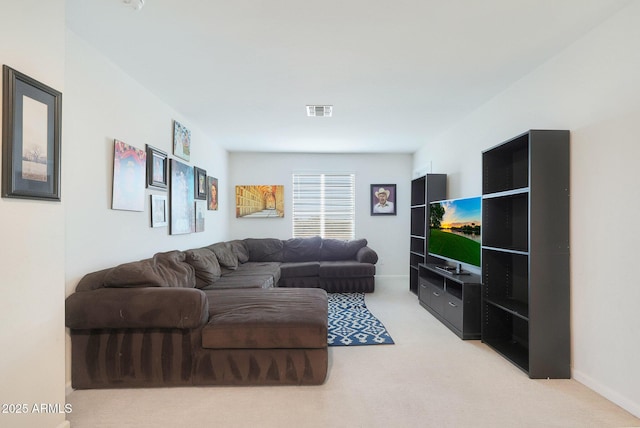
436	294
453	305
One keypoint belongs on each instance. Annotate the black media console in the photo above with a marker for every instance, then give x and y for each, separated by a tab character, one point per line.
453	298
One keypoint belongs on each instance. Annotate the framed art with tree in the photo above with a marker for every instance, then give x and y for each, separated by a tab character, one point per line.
31	123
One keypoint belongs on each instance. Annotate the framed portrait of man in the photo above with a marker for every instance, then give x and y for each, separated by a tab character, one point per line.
383	199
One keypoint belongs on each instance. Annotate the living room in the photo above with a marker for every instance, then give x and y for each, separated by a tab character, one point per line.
589	87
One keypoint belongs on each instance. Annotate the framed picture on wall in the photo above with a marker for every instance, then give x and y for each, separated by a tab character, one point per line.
200	184
212	193
200	209
157	168
181	141
263	201
128	177
181	199
159	211
383	199
31	122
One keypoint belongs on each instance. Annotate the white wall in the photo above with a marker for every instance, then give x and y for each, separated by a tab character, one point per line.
32	251
102	103
388	235
592	89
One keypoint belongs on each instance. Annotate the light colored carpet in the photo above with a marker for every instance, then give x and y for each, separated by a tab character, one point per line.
429	378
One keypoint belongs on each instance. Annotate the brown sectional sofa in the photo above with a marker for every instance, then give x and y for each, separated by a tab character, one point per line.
244	312
334	265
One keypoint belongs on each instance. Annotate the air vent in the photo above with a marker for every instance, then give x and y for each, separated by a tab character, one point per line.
136	4
319	111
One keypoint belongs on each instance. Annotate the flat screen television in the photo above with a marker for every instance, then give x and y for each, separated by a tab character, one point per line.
455	227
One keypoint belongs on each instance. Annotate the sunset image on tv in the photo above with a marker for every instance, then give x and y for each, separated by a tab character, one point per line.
455	229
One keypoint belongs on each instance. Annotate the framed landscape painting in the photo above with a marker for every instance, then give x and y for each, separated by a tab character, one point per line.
31	122
129	164
181	199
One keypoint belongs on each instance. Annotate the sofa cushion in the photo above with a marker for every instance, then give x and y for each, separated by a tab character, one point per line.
302	269
241	282
265	249
345	269
206	265
239	249
258	268
337	249
266	319
163	270
302	249
224	253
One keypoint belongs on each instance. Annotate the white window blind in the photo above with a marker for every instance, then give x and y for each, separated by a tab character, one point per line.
324	205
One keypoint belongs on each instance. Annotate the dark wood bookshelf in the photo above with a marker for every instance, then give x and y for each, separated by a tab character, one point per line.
424	189
525	252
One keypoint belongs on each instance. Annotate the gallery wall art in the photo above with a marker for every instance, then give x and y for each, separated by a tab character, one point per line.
200	184
159	211
181	141
129	164
200	208
181	203
212	193
157	168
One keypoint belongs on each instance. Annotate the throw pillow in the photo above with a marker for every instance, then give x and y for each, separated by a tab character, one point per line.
206	265
133	274
239	250
264	249
163	270
225	255
172	266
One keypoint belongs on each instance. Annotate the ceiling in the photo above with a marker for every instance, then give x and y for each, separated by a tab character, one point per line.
397	72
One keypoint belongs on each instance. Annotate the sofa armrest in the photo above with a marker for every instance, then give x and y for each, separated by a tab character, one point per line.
148	307
367	255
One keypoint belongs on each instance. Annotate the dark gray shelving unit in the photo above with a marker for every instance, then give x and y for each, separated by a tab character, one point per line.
525	252
452	298
425	189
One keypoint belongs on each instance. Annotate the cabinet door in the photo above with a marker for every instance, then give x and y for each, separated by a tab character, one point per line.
453	310
436	299
424	293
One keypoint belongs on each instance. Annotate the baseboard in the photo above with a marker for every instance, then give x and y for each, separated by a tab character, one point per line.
392	277
608	393
68	389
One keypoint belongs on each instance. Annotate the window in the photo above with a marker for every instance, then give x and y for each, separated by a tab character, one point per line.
324	205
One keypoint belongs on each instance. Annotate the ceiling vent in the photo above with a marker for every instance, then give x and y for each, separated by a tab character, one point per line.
136	4
319	111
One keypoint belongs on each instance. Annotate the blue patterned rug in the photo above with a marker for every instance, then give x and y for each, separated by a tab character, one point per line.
351	323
